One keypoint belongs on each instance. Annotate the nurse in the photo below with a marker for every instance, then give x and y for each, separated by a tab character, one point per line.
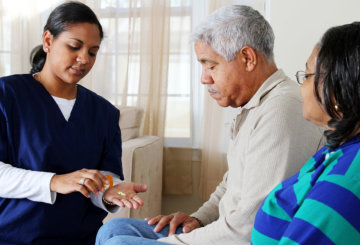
58	140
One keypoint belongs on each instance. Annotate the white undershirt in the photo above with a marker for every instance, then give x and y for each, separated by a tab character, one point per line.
35	185
65	106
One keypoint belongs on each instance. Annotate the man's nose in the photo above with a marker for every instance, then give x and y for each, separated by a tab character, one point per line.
206	78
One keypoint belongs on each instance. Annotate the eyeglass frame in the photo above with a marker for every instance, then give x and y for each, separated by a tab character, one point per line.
303	75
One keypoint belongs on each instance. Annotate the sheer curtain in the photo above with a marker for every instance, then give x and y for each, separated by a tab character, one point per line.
21	25
145	58
133	64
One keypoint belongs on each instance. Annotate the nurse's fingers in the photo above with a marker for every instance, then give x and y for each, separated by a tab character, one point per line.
90	186
96	176
83	190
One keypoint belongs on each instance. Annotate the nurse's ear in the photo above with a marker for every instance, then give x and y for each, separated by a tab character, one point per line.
47	41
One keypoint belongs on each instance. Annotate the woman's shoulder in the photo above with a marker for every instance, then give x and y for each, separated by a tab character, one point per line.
15	83
349	152
95	100
16	77
345	160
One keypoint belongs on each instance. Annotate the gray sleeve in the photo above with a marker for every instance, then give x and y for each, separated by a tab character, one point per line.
97	200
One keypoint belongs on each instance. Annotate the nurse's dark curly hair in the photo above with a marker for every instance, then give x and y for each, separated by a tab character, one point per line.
337	81
59	21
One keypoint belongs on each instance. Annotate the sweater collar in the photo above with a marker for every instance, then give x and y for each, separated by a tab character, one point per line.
272	81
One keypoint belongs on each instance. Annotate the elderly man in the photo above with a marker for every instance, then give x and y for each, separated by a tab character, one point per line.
270	139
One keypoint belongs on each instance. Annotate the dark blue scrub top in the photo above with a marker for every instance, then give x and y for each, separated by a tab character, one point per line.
34	135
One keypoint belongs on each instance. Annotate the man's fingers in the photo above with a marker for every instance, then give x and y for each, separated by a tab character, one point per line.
187	229
175	222
154	220
189	226
162	223
172	227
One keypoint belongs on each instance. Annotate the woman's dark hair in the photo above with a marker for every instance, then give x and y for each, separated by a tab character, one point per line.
337	81
59	21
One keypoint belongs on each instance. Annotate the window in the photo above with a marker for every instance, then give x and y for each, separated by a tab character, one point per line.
24	20
5	43
20	32
114	15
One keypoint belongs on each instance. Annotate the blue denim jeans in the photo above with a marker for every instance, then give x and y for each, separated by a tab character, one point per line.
130	231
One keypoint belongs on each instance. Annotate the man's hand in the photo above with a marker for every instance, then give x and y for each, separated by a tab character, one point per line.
125	194
174	220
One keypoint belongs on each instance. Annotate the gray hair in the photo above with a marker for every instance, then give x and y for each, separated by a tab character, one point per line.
230	28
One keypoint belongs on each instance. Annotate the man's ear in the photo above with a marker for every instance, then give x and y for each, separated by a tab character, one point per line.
47	41
249	57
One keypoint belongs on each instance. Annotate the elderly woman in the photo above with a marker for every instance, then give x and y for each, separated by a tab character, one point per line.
320	204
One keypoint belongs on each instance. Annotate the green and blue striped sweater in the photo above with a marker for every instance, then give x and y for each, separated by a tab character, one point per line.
318	205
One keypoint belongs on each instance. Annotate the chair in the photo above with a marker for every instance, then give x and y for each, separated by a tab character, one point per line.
142	163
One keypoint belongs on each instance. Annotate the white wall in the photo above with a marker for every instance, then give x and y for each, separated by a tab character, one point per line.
299	24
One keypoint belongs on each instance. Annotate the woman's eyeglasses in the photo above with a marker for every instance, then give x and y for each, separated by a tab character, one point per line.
301	76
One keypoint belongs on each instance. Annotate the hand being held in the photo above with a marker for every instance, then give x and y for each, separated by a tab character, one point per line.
83	181
125	195
174	220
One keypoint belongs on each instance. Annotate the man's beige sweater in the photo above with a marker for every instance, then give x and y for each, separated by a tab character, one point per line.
270	142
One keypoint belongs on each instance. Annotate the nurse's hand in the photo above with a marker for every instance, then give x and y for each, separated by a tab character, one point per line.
83	181
125	195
